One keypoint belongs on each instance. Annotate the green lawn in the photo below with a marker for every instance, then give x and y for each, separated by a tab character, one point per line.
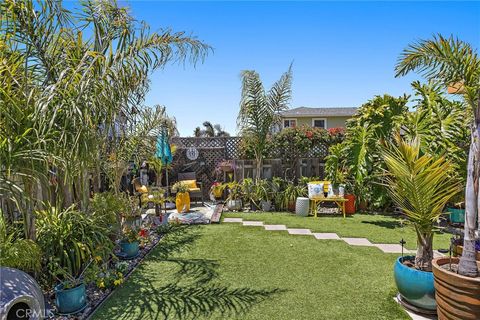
228	271
376	228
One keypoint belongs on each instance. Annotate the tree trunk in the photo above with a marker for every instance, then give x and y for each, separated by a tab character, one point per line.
467	266
424	256
258	172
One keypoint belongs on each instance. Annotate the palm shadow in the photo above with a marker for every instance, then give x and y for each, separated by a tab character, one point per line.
191	292
389	224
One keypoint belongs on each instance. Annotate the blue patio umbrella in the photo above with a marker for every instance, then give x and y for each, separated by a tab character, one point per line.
164	153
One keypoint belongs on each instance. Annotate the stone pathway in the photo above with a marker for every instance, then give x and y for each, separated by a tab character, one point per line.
363	242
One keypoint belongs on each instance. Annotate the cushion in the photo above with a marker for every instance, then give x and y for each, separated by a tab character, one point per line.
142	189
194	189
190	183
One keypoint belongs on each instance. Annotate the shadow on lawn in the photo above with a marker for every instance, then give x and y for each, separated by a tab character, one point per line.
189	295
389	224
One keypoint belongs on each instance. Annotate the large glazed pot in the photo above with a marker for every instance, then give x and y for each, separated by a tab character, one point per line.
182	202
234	204
266	205
458	297
129	249
70	301
456	215
415	286
350	204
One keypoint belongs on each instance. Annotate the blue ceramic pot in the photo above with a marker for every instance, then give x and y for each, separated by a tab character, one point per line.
70	301
456	215
129	249
415	286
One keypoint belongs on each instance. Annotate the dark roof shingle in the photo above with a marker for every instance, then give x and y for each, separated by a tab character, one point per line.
320	112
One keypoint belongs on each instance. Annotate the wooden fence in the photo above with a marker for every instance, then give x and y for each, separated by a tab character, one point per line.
201	155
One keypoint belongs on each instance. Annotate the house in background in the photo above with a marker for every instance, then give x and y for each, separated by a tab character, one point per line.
325	118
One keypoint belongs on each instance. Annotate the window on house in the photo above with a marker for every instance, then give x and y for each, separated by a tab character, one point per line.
289	123
319	123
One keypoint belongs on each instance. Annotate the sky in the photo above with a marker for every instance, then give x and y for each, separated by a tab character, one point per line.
343	53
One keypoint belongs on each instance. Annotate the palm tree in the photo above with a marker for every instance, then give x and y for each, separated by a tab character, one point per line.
211	130
420	185
451	61
63	94
260	111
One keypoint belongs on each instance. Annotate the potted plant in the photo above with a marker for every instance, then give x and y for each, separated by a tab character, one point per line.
248	192
129	243
216	190
264	194
421	185
225	166
234	198
291	193
182	199
70	292
456	211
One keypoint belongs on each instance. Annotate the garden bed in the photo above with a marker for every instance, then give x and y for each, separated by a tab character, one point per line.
97	296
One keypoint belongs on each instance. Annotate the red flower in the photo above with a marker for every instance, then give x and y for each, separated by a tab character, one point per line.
143	233
309	134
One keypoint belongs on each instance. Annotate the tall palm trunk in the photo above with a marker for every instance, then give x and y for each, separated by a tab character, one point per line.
259	164
467	265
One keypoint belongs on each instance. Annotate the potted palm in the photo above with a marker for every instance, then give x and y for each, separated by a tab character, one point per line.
421	185
182	199
234	198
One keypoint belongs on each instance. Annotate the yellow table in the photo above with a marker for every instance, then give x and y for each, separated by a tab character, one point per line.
338	200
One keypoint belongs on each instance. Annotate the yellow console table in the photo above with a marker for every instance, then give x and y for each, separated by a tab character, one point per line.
338	200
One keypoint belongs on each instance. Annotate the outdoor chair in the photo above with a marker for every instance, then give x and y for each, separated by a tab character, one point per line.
195	188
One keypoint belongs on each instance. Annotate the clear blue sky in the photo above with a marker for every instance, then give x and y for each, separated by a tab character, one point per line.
344	52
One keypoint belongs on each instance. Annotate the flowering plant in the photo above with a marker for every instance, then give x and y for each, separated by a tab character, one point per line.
130	234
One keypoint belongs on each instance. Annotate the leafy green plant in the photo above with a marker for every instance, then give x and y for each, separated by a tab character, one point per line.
70	238
234	189
292	192
180	187
16	252
421	185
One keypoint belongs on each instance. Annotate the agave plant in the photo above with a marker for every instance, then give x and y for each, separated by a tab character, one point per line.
421	185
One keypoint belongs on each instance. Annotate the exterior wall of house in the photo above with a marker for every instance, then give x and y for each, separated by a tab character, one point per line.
332	122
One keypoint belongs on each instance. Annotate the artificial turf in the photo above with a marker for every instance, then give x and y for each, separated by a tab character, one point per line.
377	228
228	271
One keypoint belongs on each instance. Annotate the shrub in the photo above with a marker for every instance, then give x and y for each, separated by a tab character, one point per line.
69	239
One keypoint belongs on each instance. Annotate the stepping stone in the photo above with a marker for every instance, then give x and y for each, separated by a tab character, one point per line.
275	227
358	242
239	220
326	236
253	223
390	248
300	231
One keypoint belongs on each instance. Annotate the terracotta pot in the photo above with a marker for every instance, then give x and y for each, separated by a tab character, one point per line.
458	297
458	250
350	204
182	202
291	206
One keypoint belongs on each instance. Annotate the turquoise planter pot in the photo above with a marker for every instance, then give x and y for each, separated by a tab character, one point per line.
129	249
415	286
456	215
70	301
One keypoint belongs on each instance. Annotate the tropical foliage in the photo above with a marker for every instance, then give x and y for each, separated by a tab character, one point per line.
357	160
452	62
260	111
211	130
